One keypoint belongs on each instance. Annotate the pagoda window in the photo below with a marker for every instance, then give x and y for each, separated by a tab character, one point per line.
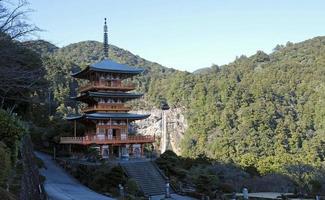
123	136
101	131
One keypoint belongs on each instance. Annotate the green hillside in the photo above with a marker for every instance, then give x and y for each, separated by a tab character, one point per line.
60	62
263	111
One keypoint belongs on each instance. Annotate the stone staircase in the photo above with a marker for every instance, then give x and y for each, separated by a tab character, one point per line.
147	175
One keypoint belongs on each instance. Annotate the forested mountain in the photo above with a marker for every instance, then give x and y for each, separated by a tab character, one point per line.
41	47
263	111
60	62
259	119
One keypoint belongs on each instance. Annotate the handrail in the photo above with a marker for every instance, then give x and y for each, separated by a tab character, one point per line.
129	175
106	85
106	139
164	176
107	106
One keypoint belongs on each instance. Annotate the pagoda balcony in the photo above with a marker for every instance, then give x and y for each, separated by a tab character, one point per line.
86	140
97	85
107	107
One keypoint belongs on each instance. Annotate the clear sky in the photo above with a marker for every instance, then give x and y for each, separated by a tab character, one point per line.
183	34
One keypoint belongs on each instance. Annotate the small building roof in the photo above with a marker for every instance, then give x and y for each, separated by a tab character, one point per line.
108	66
99	116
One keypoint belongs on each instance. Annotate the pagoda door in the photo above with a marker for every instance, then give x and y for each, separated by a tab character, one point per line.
114	131
137	150
110	134
105	151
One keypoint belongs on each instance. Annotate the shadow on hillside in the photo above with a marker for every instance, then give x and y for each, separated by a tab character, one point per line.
206	176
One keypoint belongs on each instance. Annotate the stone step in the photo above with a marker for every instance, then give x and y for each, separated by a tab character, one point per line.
146	176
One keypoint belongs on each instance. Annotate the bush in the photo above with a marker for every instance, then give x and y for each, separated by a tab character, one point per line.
5	163
132	187
106	180
11	131
269	182
206	184
316	186
6	195
226	188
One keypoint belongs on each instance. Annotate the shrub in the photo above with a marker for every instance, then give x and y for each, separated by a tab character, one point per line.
132	188
206	184
4	163
316	186
6	195
107	180
11	131
226	188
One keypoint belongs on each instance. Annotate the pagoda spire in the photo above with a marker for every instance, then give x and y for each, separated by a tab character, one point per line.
105	41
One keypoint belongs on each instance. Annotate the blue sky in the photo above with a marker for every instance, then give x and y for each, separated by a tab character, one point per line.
183	34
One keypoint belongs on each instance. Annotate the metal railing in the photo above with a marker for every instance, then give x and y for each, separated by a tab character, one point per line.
97	139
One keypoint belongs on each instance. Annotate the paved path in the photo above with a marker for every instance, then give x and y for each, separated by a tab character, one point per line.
59	185
174	197
265	195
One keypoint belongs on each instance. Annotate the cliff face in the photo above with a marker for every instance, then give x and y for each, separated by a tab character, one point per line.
176	126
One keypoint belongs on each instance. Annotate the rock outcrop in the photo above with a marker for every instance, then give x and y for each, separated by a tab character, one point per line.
176	125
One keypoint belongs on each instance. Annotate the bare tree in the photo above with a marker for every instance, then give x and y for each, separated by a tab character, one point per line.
20	69
18	81
13	19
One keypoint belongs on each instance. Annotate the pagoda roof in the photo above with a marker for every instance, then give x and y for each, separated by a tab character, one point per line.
85	96
110	67
99	116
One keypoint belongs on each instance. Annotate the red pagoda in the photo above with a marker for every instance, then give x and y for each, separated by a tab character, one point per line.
106	117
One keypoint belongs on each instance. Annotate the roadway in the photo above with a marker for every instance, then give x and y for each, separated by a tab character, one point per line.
59	185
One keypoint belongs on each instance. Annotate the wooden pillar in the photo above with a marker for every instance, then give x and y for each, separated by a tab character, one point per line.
110	148
100	150
69	149
142	149
54	152
131	150
75	128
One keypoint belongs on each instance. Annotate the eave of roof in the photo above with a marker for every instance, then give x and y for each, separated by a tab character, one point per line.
126	95
98	116
108	66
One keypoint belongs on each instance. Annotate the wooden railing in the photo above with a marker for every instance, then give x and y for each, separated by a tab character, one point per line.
107	107
107	86
107	140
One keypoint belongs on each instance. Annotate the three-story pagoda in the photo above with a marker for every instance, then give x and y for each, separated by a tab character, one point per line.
106	116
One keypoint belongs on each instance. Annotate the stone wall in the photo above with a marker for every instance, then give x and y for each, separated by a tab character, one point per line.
31	185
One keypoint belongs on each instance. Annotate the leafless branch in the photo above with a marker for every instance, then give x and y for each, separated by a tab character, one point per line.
14	21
